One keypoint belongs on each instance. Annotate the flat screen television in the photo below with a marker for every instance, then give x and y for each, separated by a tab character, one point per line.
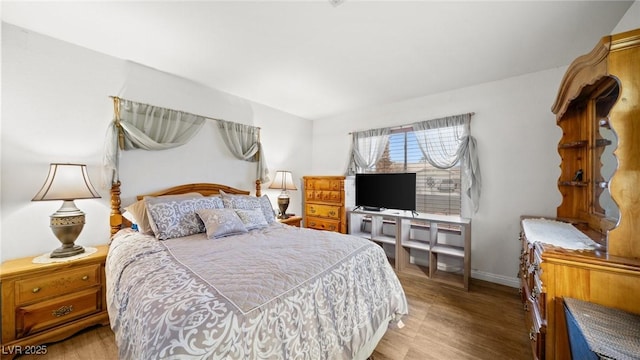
386	191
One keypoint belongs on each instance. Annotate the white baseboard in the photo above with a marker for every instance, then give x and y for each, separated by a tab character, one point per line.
513	282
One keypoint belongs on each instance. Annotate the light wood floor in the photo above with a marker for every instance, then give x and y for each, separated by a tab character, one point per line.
443	323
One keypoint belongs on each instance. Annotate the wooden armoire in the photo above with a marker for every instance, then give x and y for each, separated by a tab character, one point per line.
600	93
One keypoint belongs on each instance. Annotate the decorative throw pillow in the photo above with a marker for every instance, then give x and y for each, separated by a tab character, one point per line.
252	219
221	222
172	218
138	210
249	202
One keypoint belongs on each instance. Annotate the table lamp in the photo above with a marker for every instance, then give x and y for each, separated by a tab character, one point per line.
67	182
283	181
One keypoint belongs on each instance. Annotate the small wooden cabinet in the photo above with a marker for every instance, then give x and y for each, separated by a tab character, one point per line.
292	221
43	303
324	203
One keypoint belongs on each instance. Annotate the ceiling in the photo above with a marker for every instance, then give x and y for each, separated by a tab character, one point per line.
313	59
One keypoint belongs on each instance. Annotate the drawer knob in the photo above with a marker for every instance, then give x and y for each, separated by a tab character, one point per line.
85	278
532	335
534	293
312	210
35	290
62	311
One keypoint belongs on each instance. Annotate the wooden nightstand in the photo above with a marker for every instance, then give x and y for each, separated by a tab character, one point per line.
292	220
43	303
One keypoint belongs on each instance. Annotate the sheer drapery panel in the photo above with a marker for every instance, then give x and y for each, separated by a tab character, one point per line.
147	127
244	143
447	141
367	148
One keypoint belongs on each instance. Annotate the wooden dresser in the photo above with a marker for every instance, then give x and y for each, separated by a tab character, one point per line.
600	93
43	303
324	203
548	274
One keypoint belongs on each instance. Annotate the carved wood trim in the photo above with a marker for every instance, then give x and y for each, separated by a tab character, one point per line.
115	219
205	189
583	71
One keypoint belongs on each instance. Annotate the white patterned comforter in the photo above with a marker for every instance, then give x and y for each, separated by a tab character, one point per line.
277	293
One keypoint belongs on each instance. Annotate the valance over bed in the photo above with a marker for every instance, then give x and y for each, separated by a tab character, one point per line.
142	126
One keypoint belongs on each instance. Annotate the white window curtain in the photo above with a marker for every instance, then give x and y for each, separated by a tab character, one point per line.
367	148
244	143
147	127
434	138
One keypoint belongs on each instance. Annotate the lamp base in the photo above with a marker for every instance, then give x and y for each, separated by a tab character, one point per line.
66	224
64	251
283	204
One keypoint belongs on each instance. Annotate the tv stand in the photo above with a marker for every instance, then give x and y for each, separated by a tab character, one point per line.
457	245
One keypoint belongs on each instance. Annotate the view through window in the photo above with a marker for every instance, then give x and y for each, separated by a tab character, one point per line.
437	190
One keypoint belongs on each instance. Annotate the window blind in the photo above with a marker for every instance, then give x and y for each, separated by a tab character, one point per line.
438	191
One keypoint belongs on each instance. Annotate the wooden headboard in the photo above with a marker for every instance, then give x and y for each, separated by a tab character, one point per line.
117	221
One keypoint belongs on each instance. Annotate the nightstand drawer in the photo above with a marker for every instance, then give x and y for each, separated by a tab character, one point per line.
60	282
325	211
323	224
44	315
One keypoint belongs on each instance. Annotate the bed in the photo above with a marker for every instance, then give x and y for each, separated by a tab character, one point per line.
268	291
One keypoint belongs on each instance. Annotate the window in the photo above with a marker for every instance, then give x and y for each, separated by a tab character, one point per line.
437	190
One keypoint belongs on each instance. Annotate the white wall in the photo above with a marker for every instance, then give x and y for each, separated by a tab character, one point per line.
517	140
56	109
630	20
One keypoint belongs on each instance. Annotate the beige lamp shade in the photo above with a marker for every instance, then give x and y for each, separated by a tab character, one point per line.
283	181
67	182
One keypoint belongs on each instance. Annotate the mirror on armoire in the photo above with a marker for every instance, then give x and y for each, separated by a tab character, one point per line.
604	144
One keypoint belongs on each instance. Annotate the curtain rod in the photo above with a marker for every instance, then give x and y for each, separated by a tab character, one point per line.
408	126
180	111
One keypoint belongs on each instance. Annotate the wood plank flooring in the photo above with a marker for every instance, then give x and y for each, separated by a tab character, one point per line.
444	323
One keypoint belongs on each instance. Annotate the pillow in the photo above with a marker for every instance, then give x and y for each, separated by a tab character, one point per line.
138	210
221	222
137	214
171	218
249	202
253	218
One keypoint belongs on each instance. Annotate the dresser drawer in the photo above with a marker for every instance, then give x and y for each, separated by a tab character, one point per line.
325	211
323	224
539	296
61	282
537	329
40	316
324	196
324	184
